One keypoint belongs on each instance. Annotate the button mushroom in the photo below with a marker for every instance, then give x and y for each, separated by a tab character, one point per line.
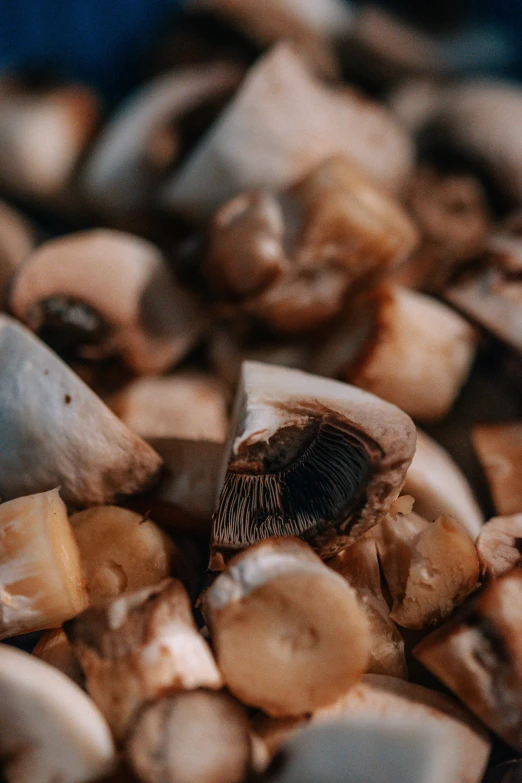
499	545
105	292
16	242
499	449
309	457
50	729
267	615
72	439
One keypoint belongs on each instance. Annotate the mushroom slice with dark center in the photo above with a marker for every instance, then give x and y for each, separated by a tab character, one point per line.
310	457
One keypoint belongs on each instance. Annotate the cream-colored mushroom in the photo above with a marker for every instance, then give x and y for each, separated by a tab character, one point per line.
50	729
280	125
54	648
54	431
16	242
499	545
280	612
44	132
499	449
196	737
440	487
308	457
118	176
137	646
479	656
120	551
41	582
114	293
359	565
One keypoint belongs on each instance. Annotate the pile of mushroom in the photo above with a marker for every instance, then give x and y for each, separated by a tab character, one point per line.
261	417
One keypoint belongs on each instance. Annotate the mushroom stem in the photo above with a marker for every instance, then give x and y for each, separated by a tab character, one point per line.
499	545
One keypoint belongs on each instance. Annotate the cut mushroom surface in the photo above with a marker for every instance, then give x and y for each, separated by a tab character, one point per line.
73	440
479	656
499	449
281	124
104	292
50	729
499	545
267	615
309	457
41	582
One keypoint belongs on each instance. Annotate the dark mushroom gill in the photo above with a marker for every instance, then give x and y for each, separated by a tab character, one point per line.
302	481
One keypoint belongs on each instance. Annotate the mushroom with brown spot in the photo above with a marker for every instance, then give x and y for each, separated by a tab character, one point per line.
499	545
499	449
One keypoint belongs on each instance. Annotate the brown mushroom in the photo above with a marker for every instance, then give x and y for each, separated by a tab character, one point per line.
499	449
106	292
54	648
16	242
479	656
308	457
499	545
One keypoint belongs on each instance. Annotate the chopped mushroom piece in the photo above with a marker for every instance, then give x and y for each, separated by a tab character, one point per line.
430	567
73	440
440	487
16	242
478	655
54	648
280	612
41	581
309	457
104	292
359	565
499	545
499	449
282	123
196	737
121	551
135	647
51	731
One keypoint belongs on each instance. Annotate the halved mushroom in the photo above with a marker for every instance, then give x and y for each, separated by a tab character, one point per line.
499	449
429	567
120	551
308	457
16	242
104	292
440	487
124	169
41	582
405	347
54	648
479	656
44	131
281	124
196	737
72	439
137	646
50	729
288	632
499	545
359	565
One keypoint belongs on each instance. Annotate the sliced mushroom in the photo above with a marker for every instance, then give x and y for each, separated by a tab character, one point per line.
121	551
288	632
16	242
135	647
279	126
196	737
405	347
499	545
54	648
499	449
479	656
309	457
440	487
430	568
359	565
106	292
73	440
50	729
40	575
123	170
186	405
44	131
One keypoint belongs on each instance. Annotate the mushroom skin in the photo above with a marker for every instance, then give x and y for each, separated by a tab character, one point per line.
499	449
478	655
125	294
309	457
53	648
16	242
499	545
51	730
75	442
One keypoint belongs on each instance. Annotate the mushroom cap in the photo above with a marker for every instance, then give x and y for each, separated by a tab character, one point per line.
16	242
51	730
499	449
499	545
54	431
